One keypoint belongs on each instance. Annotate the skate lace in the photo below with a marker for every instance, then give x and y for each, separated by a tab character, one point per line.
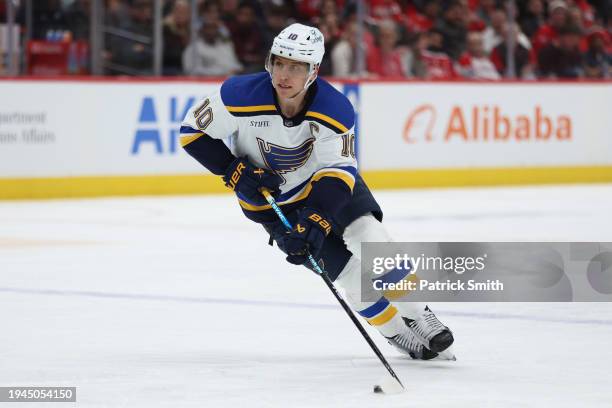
408	341
427	326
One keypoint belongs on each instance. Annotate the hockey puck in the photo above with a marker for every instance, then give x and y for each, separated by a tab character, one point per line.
378	389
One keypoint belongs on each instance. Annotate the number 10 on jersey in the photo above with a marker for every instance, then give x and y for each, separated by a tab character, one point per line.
348	145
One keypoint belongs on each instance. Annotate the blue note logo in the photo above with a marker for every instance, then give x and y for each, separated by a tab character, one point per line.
159	121
285	159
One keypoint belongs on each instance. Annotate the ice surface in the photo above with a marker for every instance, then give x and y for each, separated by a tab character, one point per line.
180	302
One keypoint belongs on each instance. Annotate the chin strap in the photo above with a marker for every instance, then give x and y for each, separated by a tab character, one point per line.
297	94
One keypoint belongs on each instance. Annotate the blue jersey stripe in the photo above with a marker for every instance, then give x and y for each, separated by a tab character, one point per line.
189	130
375	309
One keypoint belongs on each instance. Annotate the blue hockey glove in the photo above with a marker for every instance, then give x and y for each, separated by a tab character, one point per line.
246	179
307	236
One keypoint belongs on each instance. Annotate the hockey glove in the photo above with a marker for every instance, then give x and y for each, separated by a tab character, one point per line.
307	236
246	179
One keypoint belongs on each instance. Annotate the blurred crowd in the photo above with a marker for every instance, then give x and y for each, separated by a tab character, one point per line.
429	39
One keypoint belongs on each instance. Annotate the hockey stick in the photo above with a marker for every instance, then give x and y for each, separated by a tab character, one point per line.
333	289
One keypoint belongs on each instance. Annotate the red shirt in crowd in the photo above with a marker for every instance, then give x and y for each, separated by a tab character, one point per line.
385	9
416	22
588	14
545	35
438	65
385	64
477	67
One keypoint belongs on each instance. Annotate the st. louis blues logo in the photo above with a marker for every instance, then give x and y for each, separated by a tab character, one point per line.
285	159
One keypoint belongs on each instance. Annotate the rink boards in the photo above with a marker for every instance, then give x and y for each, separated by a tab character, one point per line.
102	137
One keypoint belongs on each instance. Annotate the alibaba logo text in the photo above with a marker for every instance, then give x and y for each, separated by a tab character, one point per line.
486	123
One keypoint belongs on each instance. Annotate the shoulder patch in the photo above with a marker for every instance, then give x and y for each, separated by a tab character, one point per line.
331	108
248	95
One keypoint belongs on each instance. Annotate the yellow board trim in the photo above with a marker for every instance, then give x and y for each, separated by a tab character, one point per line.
254	108
185	140
384	317
327	119
488	176
37	188
98	186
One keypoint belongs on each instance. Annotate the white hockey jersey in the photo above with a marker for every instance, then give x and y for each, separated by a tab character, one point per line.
318	142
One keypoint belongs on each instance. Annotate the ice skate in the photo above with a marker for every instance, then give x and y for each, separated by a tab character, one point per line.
429	330
400	336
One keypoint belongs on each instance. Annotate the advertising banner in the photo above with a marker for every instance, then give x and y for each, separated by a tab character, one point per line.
55	129
424	125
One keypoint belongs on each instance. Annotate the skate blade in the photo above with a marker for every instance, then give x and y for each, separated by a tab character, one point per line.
447	354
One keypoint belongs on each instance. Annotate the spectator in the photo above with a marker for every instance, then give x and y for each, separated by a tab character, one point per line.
176	34
229	8
562	58
276	20
77	18
344	54
523	57
485	10
48	15
210	10
587	13
453	28
117	13
289	6
386	59
597	60
248	38
558	18
308	9
133	56
574	17
211	54
494	35
532	18
381	10
431	61
417	22
330	27
475	63
326	8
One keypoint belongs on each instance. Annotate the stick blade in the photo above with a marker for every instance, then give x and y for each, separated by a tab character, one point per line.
388	385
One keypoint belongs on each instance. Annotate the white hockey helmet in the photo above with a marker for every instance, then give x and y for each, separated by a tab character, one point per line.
299	42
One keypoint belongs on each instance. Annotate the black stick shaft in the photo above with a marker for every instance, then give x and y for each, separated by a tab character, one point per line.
363	332
333	289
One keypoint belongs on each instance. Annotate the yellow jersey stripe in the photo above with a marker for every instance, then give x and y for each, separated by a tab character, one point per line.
255	108
252	207
185	140
348	179
328	120
326	173
384	317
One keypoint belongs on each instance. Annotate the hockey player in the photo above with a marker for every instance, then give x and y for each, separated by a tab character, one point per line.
293	134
